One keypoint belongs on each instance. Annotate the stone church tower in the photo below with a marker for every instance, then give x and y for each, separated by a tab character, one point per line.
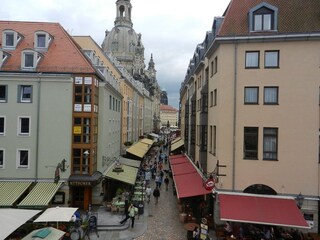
126	46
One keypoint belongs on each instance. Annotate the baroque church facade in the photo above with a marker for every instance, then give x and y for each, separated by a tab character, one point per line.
126	46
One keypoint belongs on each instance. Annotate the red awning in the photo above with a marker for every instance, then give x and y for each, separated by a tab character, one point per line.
178	160
188	181
261	210
183	168
189	185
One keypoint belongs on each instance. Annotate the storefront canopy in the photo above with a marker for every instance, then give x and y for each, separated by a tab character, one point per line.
130	162
56	214
178	160
11	219
176	145
128	175
183	168
139	149
188	181
11	191
40	195
189	185
262	209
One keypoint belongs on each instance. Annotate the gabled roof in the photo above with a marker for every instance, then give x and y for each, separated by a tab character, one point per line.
295	16
62	56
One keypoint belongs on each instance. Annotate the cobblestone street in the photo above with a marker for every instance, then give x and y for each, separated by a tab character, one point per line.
163	220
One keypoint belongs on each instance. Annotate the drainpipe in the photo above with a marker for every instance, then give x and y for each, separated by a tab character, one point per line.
38	124
234	115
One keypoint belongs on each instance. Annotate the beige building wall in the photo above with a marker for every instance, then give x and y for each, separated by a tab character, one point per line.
296	117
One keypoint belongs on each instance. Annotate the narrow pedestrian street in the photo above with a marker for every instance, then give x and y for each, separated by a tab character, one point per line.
163	218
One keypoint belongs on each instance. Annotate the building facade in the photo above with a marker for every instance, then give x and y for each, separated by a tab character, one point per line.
168	114
49	111
260	102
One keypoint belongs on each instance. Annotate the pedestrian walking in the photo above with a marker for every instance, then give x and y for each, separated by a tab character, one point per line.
166	181
156	194
148	193
158	181
133	211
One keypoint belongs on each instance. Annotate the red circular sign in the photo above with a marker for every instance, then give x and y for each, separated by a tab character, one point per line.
209	184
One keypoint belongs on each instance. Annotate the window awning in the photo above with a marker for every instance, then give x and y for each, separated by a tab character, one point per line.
11	191
262	209
188	181
40	195
176	145
128	175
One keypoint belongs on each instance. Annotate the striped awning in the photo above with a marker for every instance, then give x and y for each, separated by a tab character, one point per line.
40	195
11	191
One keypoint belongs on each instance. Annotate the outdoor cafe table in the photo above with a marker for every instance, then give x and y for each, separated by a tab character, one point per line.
138	187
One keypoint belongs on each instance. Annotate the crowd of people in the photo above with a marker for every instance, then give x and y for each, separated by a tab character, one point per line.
153	168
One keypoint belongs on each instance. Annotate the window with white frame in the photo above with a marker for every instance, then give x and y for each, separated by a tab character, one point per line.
2	158
271	59
270	143
30	59
2	125
10	39
24	126
3	93
271	95
251	95
252	59
42	40
23	156
25	93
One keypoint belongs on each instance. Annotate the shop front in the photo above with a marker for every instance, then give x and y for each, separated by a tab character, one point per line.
81	189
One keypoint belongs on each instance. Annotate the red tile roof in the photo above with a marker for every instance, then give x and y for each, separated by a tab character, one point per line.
167	108
63	55
295	16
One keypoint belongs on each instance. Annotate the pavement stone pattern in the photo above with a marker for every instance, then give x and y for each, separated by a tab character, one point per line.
163	220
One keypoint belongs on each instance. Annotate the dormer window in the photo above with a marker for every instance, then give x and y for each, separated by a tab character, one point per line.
30	59
42	40
10	39
263	17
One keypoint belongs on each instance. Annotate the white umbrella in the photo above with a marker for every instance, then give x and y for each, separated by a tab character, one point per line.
11	219
56	214
48	233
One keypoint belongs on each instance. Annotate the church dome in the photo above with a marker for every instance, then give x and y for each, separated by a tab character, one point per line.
122	41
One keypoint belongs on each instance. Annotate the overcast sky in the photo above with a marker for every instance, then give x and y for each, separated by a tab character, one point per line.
171	29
